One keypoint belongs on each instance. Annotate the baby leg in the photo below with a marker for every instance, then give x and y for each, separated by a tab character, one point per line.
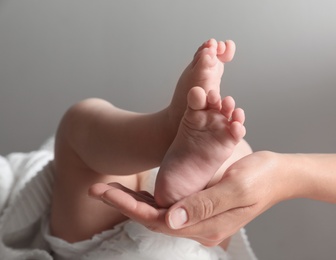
96	141
207	136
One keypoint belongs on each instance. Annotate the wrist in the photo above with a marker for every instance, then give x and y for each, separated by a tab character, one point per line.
311	176
288	174
283	168
297	183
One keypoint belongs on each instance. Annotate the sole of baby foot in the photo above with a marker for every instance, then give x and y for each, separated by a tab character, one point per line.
205	139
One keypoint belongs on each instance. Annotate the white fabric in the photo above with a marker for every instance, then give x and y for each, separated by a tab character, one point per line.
25	200
25	191
6	182
130	240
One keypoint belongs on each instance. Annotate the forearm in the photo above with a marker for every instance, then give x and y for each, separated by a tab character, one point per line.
311	176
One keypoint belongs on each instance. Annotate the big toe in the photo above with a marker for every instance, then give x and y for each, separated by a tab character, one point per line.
197	99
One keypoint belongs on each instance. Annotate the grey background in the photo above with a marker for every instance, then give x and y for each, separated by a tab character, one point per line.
55	53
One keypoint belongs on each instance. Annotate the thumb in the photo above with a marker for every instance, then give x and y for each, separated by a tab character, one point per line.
198	207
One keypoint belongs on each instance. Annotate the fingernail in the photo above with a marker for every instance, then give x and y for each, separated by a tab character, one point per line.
177	218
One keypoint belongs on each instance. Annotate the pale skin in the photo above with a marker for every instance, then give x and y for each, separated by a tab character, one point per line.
99	143
248	187
206	138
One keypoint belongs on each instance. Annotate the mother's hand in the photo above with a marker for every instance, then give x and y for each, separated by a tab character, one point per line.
249	187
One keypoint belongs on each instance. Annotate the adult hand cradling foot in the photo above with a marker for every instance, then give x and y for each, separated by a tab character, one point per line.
249	187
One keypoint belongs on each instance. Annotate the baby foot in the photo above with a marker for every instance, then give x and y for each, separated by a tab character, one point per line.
207	136
206	70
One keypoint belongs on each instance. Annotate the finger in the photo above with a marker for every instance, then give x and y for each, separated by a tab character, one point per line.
152	218
213	231
97	190
143	196
134	205
205	232
203	205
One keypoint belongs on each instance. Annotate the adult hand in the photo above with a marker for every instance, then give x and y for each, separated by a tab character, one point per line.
249	187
